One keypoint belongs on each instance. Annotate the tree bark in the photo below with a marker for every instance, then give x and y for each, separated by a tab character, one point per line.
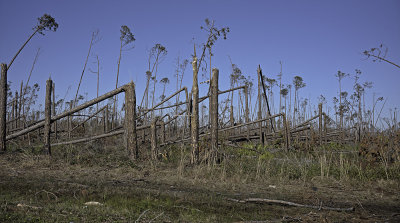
287	131
3	107
54	111
70	120
114	115
162	131
259	116
214	115
320	123
246	92
195	114
154	139
47	117
130	120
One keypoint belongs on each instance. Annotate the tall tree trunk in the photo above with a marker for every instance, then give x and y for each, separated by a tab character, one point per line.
163	93
340	105
259	116
22	47
98	81
214	116
290	105
280	95
177	98
114	115
195	114
27	82
84	67
154	84
3	107
294	109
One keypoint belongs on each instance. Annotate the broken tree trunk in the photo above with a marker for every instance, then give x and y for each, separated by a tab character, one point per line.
130	120
246	112
189	114
153	129
231	119
320	123
265	96
53	111
194	122
20	124
187	117
259	106
3	106
214	115
15	111
325	128
162	131
11	116
70	120
287	133
47	117
106	119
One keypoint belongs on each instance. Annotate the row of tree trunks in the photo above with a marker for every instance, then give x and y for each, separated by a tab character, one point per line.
67	113
130	119
130	116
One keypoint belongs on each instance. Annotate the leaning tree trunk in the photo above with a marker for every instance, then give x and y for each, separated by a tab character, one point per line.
84	68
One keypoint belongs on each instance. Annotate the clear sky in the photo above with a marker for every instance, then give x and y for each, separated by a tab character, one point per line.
313	39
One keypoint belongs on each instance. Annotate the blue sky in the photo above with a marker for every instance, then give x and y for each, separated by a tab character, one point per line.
313	39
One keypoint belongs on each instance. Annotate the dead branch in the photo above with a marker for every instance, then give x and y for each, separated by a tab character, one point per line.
47	193
156	217
288	203
89	117
144	212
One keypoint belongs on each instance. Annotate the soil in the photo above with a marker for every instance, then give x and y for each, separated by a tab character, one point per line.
39	189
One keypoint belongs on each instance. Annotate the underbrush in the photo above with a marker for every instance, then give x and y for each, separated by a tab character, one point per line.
248	162
58	186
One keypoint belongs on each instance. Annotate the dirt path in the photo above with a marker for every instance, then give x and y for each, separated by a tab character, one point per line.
44	190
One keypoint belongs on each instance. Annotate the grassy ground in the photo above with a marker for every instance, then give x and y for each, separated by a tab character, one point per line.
35	188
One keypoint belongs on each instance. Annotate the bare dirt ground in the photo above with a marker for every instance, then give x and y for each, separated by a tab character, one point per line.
39	189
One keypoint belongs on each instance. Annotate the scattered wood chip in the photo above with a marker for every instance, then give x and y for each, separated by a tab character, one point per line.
93	203
28	206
